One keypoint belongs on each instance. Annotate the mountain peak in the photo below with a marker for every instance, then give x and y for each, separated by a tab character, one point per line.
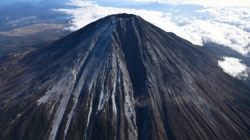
123	15
123	79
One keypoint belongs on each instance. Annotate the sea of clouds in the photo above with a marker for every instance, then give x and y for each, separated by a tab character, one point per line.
219	21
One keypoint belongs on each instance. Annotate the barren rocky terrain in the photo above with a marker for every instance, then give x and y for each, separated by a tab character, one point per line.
122	78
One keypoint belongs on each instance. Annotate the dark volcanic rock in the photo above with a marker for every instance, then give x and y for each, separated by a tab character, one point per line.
122	78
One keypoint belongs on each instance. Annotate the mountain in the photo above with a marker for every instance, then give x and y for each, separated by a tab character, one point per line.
122	78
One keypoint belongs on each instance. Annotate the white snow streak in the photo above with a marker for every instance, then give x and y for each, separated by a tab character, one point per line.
62	92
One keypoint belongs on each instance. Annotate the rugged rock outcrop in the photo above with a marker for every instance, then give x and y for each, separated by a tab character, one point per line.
122	78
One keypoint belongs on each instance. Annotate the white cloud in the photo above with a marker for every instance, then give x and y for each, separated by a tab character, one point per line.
239	17
205	3
236	22
234	67
220	33
222	29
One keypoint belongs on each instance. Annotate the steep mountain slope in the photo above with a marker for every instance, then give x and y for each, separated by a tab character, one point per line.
122	78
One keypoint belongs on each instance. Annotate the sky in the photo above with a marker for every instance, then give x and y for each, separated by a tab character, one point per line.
224	22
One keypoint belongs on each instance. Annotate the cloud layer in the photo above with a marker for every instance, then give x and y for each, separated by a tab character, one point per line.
234	67
206	3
